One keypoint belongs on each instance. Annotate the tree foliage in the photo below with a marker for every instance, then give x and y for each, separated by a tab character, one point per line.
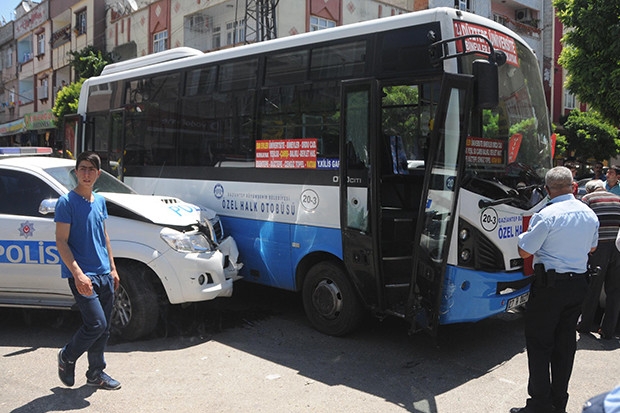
589	135
89	61
67	100
591	52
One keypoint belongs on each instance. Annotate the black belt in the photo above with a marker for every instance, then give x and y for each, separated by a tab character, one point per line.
568	275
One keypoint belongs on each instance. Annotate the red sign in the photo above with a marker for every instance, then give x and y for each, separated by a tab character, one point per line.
513	147
499	41
286	153
484	151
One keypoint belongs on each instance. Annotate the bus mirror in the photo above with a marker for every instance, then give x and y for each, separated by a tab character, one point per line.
487	84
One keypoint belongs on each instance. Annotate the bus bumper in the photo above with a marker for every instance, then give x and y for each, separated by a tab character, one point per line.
471	295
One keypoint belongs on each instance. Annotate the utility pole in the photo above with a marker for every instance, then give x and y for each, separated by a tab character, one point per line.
260	20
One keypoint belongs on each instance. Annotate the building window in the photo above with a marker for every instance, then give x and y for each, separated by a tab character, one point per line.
461	5
217	42
9	58
80	22
235	32
160	41
41	44
318	23
570	102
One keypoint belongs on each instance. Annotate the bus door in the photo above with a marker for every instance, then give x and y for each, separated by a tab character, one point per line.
445	165
356	192
116	146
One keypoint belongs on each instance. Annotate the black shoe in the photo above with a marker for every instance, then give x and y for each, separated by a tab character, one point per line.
103	381
604	336
66	370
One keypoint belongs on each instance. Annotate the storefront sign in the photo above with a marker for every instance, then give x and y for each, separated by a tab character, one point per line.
40	120
12	128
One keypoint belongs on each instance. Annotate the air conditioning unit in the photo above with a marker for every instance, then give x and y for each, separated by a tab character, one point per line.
523	15
42	92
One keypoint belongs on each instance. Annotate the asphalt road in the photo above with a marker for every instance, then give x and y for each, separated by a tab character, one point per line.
255	352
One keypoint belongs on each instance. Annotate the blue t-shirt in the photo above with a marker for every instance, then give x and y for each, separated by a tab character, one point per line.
614	189
87	234
561	235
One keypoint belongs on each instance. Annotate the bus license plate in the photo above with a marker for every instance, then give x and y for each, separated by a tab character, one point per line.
517	301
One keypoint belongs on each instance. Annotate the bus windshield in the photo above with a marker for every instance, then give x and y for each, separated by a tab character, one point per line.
509	148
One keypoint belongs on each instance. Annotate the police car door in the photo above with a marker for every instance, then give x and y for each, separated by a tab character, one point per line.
29	260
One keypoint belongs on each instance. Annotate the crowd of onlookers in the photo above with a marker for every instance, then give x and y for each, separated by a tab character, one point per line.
600	189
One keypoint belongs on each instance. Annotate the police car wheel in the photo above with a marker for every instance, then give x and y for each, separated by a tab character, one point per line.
136	309
330	301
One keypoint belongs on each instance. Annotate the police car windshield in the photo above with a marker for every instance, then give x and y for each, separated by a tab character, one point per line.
105	183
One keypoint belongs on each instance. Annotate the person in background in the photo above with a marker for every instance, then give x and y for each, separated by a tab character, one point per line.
573	170
607	257
611	183
598	171
559	236
88	264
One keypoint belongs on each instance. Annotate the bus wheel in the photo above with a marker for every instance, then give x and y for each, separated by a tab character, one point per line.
136	308
330	301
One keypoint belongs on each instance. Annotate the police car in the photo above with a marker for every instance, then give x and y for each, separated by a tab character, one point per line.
165	250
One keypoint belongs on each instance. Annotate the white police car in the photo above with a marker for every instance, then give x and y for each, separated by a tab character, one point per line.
165	250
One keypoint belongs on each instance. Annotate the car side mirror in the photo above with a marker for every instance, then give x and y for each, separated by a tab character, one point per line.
48	206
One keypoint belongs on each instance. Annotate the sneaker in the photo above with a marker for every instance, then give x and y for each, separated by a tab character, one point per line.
66	370
103	381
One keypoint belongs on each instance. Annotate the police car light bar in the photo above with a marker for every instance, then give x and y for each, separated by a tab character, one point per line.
24	151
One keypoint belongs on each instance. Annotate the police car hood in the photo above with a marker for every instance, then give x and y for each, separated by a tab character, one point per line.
162	210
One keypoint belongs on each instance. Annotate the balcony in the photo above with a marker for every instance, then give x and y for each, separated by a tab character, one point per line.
525	27
61	36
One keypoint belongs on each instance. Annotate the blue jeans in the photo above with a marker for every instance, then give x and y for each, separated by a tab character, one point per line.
93	335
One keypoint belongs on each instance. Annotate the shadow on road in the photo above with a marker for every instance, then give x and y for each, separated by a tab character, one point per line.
61	399
380	359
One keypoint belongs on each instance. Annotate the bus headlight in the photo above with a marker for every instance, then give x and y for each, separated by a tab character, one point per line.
465	255
464	234
184	241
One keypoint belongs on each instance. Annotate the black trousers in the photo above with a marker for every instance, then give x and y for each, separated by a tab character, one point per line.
607	257
550	336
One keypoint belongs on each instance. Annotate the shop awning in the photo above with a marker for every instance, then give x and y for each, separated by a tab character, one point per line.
11	128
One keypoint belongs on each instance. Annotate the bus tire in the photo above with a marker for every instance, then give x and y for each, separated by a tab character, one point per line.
136	308
330	301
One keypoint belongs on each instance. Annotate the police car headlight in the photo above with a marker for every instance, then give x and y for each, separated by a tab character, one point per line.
184	241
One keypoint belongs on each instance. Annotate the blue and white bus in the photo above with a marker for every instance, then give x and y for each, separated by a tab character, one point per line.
386	165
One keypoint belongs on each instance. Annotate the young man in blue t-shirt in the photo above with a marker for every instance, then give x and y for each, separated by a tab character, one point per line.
88	264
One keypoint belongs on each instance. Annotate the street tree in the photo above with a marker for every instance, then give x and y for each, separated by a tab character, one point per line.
87	62
589	135
591	52
67	100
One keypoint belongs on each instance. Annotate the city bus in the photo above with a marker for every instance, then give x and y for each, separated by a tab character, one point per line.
384	167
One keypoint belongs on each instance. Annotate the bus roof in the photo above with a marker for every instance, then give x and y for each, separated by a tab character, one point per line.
141	65
151	59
